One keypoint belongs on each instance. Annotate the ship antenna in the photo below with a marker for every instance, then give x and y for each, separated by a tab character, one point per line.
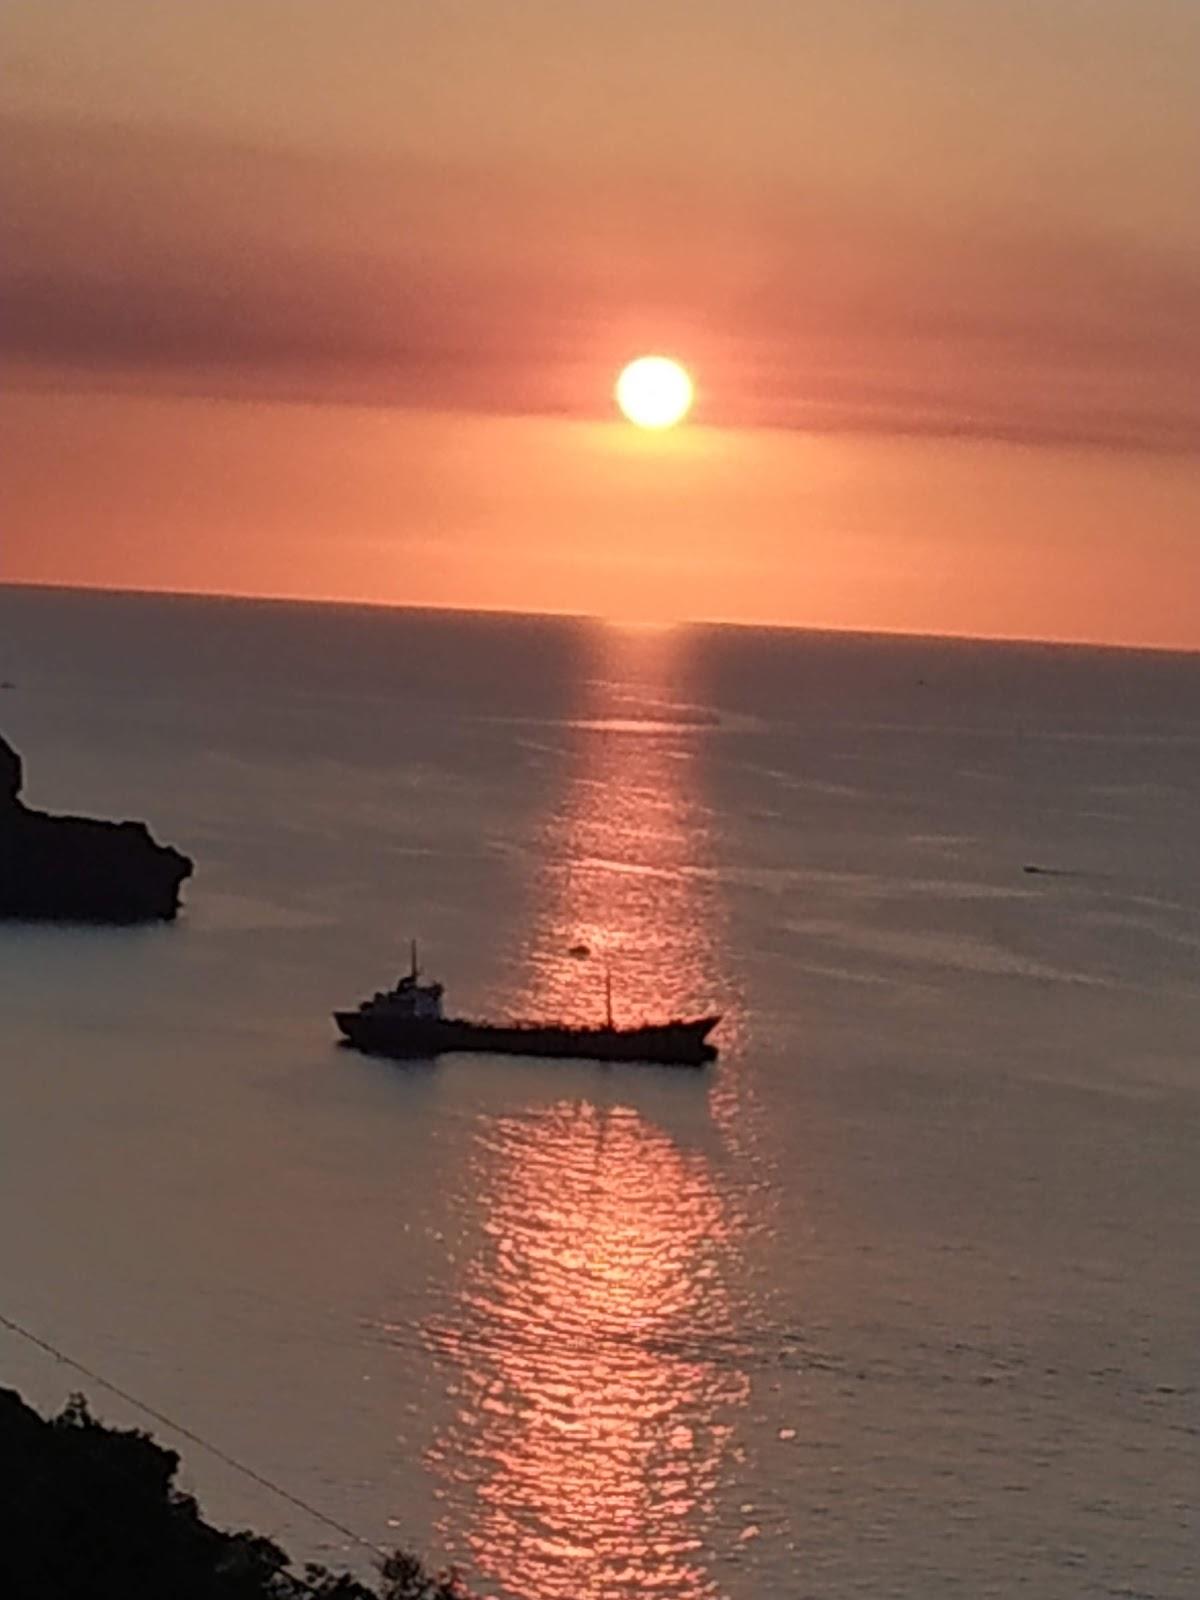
416	971
608	993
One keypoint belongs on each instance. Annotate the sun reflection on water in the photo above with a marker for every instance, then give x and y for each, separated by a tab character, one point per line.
590	1343
592	1385
622	879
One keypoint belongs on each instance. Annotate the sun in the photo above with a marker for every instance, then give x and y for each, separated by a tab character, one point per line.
655	392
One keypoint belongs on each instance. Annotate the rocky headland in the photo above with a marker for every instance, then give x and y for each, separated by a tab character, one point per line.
80	869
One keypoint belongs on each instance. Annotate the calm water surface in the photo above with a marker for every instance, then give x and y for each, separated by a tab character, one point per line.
898	1299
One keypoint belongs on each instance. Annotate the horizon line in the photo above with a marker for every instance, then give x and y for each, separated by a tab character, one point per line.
741	623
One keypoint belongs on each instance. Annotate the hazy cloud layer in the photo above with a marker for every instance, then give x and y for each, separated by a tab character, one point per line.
143	258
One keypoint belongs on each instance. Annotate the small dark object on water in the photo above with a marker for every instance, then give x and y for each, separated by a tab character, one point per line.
1051	872
78	869
406	1023
579	951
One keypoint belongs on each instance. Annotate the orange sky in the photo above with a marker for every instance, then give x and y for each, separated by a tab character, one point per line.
328	301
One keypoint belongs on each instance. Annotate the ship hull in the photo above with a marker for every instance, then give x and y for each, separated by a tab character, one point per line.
673	1044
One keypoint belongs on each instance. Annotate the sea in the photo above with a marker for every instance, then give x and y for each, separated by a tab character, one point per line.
899	1298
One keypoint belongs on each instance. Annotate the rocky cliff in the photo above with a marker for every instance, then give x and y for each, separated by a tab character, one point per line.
77	869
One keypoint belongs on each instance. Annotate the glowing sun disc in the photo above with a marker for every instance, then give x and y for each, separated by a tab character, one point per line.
655	392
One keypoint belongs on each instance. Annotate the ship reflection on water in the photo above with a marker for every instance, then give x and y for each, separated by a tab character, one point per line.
588	1355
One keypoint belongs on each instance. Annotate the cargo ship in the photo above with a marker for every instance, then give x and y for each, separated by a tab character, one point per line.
407	1023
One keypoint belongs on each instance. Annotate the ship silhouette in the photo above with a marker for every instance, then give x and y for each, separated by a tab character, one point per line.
407	1023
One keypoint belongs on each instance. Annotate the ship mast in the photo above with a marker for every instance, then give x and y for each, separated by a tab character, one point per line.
608	994
416	971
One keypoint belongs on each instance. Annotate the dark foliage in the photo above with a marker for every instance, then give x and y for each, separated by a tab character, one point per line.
91	1513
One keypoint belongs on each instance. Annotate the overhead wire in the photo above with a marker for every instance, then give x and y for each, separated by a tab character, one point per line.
190	1434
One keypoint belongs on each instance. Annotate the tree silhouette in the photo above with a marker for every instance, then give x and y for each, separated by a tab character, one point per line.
89	1512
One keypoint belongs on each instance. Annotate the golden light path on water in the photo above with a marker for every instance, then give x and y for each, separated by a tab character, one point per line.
594	1392
624	854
